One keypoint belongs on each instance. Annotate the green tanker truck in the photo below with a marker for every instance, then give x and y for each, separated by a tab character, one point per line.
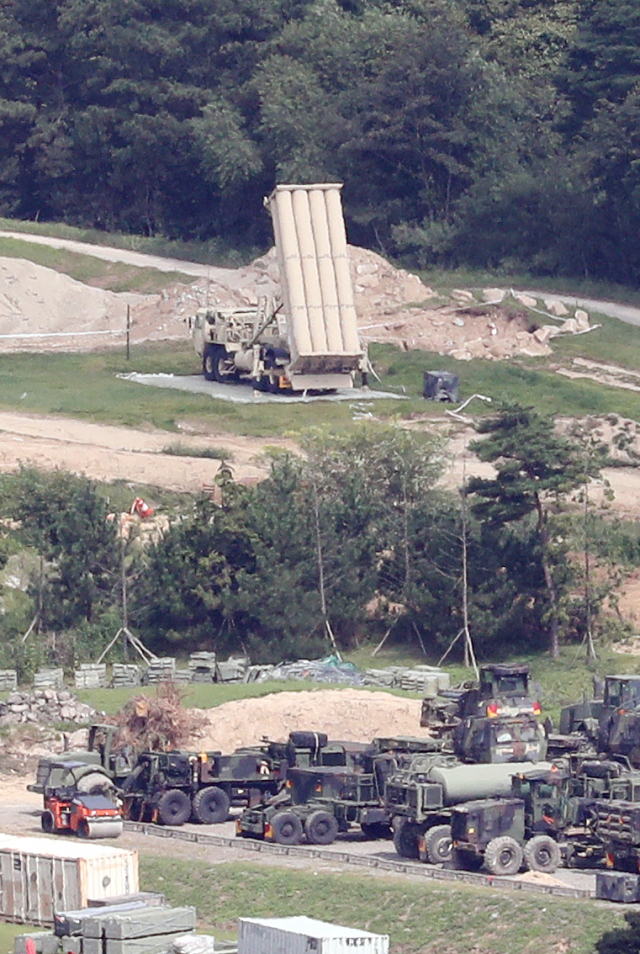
420	796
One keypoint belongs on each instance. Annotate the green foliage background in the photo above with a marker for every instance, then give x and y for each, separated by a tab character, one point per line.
496	133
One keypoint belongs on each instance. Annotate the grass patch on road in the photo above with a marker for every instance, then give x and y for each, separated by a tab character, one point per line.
425	917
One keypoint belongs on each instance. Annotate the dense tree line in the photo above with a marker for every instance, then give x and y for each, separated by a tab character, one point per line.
493	132
352	542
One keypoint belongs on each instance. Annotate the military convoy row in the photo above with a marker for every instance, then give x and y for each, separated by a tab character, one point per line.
477	792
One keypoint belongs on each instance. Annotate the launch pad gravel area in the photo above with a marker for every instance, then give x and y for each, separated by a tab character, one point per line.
241	392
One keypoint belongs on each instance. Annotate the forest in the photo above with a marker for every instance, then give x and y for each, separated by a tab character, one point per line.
352	542
494	133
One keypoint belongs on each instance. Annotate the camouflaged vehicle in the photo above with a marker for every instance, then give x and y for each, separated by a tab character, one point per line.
553	815
117	763
318	803
420	794
493	720
173	787
608	724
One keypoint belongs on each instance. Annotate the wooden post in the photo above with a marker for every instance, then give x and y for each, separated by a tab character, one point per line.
128	332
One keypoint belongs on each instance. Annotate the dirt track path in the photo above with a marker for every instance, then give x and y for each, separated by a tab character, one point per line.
105	452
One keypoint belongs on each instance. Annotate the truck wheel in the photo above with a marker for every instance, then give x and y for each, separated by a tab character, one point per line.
503	856
286	828
437	841
211	805
208	362
321	828
174	807
221	374
405	840
465	860
48	822
542	853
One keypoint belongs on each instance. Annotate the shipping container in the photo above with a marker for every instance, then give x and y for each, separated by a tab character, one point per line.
302	935
39	876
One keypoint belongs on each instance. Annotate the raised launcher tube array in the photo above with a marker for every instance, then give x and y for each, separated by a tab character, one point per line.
317	293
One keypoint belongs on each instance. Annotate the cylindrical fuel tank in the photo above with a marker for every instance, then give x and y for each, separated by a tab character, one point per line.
462	783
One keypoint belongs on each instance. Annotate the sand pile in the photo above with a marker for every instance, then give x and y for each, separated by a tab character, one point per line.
392	306
37	300
346	714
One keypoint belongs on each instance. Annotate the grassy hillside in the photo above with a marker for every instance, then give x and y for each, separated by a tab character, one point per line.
428	917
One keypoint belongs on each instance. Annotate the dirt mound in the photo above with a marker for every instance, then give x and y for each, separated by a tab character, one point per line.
38	300
347	714
392	306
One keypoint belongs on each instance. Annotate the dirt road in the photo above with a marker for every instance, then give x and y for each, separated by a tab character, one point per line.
104	452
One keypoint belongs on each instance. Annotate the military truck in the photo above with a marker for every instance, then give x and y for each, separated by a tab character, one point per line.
553	813
310	340
419	798
100	752
318	803
492	720
174	787
608	724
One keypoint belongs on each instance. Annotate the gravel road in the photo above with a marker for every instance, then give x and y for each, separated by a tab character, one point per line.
21	816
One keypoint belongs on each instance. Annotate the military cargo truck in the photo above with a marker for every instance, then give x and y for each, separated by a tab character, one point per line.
173	787
310	340
553	813
493	720
419	798
318	803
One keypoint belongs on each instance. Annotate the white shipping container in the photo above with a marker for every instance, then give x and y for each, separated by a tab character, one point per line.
39	876
302	935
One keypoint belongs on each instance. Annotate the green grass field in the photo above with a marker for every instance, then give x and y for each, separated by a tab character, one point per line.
87	386
430	918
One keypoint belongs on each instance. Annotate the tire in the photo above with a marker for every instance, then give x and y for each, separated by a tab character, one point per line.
465	861
321	828
209	362
82	830
220	375
286	828
174	807
48	822
405	840
437	841
211	805
376	830
308	740
503	856
542	853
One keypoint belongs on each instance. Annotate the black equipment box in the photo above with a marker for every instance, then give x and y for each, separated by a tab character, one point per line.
618	886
